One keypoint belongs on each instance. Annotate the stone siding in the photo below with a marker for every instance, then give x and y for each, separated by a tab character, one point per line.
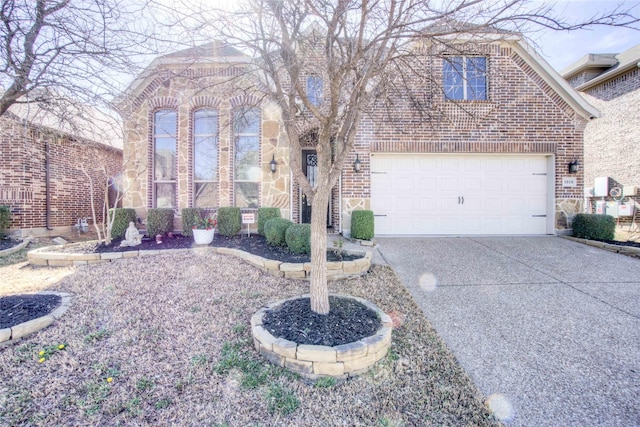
201	88
522	115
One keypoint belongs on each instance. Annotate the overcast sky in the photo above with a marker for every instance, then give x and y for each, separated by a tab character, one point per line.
561	49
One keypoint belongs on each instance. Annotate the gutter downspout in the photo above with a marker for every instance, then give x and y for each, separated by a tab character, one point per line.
290	191
47	201
340	203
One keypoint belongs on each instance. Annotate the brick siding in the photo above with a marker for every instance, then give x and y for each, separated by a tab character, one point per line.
612	147
22	176
523	114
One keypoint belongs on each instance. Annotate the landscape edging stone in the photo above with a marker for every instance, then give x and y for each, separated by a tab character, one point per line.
317	361
48	256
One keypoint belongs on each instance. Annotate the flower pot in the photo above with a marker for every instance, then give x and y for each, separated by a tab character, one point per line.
203	237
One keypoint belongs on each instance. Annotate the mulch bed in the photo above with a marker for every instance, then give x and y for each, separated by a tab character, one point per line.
16	309
348	321
615	242
7	243
254	244
31	307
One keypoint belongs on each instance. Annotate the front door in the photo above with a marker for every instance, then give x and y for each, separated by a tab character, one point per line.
310	170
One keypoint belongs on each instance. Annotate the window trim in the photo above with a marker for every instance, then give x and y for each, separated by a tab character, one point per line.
465	80
235	137
154	138
216	137
318	93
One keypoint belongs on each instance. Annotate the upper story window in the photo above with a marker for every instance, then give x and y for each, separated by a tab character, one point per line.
465	78
164	159
205	158
246	130
314	89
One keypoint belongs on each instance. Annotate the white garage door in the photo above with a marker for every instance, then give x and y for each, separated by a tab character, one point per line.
459	194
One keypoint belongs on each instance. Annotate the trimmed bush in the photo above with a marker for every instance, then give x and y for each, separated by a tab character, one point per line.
275	229
594	227
298	238
265	214
159	221
190	217
229	221
123	216
362	224
5	219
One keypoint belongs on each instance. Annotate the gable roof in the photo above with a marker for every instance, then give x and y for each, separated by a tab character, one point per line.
553	79
612	64
76	120
214	49
532	58
215	52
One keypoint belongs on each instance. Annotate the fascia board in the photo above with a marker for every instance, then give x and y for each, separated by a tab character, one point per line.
608	75
551	76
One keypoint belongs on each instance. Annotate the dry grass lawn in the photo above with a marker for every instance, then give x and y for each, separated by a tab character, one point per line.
165	340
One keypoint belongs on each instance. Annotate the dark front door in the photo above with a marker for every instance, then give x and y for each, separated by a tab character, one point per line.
310	169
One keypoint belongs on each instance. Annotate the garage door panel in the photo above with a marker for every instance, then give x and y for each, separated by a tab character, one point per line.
473	184
452	184
427	183
422	194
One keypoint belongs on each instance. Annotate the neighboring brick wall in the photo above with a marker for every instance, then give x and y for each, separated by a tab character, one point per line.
22	176
612	141
616	87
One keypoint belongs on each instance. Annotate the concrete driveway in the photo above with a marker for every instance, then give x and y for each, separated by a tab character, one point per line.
548	329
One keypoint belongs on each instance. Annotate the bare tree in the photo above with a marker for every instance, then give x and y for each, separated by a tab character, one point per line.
363	52
72	49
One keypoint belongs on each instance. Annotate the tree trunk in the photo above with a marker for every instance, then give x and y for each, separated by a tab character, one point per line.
318	287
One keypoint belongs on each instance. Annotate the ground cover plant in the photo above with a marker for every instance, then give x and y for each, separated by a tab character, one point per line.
167	342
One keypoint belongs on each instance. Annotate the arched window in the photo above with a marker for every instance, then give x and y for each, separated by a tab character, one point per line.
246	129
164	159
205	158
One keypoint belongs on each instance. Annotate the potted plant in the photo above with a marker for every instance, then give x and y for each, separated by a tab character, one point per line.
204	229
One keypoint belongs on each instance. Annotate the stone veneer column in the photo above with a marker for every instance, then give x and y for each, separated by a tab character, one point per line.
349	205
276	186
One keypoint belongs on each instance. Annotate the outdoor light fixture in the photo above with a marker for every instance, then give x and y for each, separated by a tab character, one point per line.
273	164
573	166
356	164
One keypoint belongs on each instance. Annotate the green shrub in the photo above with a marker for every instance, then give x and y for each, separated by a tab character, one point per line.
362	225
298	238
5	219
265	214
159	221
190	217
123	216
275	229
229	221
594	227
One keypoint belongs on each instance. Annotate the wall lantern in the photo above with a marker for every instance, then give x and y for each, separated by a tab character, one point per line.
273	164
573	166
356	164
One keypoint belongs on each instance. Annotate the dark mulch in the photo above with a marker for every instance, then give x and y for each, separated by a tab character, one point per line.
254	244
627	243
7	243
16	309
348	321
